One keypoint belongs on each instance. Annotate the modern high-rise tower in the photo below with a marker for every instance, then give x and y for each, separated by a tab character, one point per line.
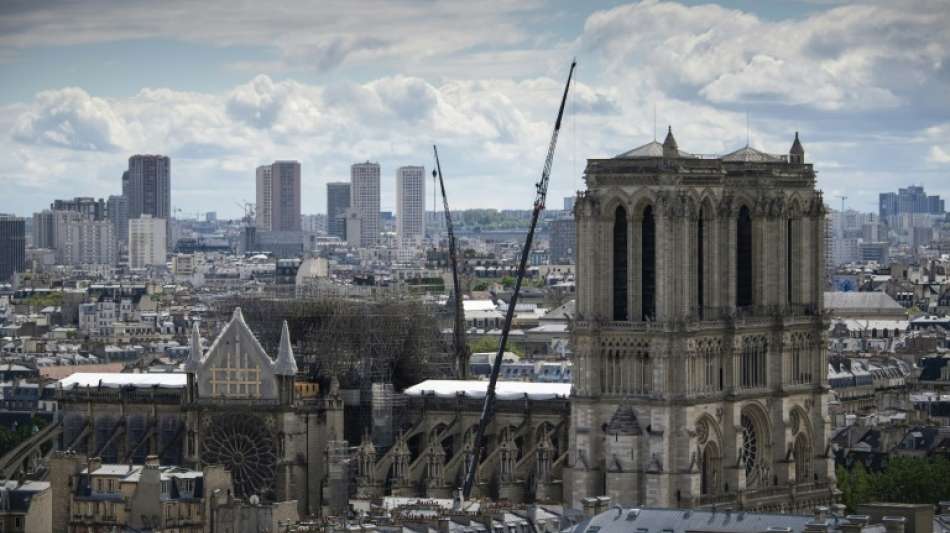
149	186
410	204
338	201
364	199
12	246
278	196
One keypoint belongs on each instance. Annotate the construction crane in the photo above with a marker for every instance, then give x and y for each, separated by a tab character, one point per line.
462	352
471	463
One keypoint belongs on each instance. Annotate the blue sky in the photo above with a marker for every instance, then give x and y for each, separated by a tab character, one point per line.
224	86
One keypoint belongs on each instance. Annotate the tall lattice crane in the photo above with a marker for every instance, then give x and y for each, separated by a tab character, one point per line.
462	353
471	463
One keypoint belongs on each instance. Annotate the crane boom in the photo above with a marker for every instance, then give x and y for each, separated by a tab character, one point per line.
458	333
541	195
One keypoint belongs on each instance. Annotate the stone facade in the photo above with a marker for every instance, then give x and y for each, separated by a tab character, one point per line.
700	369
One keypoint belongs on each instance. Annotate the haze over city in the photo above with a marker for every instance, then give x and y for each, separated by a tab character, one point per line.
222	88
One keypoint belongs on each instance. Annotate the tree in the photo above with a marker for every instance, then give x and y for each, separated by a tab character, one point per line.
855	486
904	480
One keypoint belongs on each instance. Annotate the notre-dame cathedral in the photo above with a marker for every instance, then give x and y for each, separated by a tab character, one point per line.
700	367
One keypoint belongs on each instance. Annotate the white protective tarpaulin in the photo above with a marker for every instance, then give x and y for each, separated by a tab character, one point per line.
116	380
504	390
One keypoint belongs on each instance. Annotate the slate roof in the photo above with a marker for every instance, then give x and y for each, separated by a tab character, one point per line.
871	301
751	155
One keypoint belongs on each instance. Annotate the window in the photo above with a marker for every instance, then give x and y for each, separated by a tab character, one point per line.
744	258
648	265
700	302
620	264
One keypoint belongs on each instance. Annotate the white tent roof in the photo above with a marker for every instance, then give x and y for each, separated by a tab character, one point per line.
115	380
504	390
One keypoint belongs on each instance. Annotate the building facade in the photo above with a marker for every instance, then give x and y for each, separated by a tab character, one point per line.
410	204
364	200
700	371
147	242
12	246
88	242
149	186
278	196
563	239
338	201
42	229
118	213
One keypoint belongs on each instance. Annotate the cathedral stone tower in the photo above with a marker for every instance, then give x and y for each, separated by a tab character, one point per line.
700	370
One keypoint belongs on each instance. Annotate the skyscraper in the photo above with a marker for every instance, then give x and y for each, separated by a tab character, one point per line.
118	212
338	201
90	207
278	196
43	229
263	208
364	200
410	203
149	186
12	246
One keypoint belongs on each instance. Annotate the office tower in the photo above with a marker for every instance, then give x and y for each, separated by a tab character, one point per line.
338	201
90	207
118	210
147	241
313	223
364	200
149	186
410	204
278	196
12	246
42	229
569	203
263	207
62	220
563	233
887	205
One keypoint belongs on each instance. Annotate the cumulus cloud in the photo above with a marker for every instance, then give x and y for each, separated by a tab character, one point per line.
849	58
71	118
938	155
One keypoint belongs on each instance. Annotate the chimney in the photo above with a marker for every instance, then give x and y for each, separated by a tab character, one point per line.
93	464
821	514
816	527
152	460
894	524
838	510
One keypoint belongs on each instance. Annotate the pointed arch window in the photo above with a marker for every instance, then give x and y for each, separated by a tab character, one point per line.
744	258
648	265
700	263
620	264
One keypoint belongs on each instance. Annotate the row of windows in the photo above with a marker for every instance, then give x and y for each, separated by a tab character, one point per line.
647	262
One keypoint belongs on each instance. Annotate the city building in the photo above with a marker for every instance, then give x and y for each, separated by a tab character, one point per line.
313	223
25	506
88	242
147	241
90	207
689	389
563	233
410	204
12	246
338	201
263	209
42	229
118	212
278	196
364	199
149	186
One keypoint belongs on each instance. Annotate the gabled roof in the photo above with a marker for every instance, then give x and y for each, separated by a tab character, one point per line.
650	149
624	421
751	155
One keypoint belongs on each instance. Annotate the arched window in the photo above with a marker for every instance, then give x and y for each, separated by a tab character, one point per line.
803	455
620	264
700	302
744	258
648	264
710	475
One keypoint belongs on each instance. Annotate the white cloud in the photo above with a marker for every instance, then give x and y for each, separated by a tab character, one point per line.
938	155
70	118
850	58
